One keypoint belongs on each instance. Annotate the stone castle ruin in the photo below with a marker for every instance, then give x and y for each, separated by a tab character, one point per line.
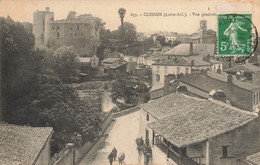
82	32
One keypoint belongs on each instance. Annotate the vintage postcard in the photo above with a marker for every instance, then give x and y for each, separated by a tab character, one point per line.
130	82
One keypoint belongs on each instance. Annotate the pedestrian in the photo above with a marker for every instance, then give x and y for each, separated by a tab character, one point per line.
110	158
114	151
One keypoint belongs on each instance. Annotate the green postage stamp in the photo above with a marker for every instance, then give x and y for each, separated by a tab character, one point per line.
234	35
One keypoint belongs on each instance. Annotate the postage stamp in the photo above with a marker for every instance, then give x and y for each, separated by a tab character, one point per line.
235	34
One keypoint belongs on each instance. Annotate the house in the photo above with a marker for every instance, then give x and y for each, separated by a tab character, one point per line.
186	50
131	64
112	66
254	159
94	61
185	130
184	38
243	95
171	37
247	72
25	145
148	59
174	67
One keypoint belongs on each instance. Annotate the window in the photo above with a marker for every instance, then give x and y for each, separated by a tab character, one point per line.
157	78
53	28
165	69
78	27
158	68
58	35
178	70
253	98
225	151
71	28
186	70
147	117
146	135
75	34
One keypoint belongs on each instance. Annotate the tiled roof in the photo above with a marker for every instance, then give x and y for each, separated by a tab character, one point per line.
185	120
197	61
110	60
115	55
248	68
84	59
156	87
195	36
198	49
214	61
254	159
214	80
154	49
179	62
21	143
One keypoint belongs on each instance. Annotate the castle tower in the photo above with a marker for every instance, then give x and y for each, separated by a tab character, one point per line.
203	31
49	16
40	25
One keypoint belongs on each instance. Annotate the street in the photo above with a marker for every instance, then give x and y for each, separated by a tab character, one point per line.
122	135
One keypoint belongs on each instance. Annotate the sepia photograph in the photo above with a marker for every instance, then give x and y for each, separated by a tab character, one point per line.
129	82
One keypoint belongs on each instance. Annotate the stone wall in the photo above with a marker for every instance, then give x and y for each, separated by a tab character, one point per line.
78	35
241	143
73	155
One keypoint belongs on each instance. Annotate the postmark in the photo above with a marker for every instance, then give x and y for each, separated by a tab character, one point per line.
237	35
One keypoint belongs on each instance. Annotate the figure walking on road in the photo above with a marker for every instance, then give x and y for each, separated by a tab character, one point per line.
110	158
114	151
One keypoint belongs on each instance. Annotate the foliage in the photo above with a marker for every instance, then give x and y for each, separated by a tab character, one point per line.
131	92
19	66
66	62
162	39
127	33
34	88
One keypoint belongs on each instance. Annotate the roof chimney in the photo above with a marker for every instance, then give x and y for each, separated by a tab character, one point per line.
204	71
191	48
229	79
47	9
192	62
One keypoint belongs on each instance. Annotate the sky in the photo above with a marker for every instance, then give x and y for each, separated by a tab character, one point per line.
22	10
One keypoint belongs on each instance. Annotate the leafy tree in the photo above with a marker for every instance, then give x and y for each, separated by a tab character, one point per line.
34	95
66	62
131	91
19	66
161	39
121	13
127	33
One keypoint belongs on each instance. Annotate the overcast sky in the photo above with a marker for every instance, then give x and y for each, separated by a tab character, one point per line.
22	10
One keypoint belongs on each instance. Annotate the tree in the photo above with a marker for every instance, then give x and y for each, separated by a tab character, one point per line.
33	94
66	62
121	13
161	39
19	67
131	91
127	33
